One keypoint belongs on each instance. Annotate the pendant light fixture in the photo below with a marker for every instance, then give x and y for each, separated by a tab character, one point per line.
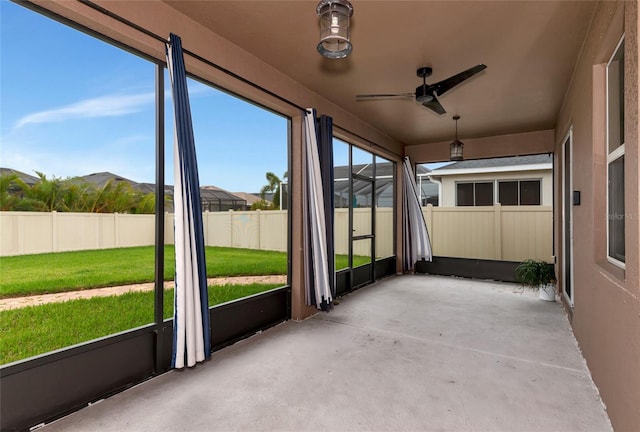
335	31
456	145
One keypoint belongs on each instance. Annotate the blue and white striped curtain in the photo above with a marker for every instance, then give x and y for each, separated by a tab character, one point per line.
191	329
319	264
416	244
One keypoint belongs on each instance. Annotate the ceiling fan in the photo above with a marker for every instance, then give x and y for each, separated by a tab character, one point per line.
427	94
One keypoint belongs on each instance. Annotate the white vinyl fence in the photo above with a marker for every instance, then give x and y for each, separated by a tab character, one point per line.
499	233
34	232
504	233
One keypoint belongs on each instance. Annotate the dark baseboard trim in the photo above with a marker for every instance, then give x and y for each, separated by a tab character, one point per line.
384	267
469	268
44	388
240	319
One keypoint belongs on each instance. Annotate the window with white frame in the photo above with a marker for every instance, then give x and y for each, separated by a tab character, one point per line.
615	157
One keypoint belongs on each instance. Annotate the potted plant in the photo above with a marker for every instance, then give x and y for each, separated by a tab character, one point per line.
538	274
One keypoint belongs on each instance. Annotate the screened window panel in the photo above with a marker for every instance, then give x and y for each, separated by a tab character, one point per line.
508	193
362	217
86	72
384	207
362	162
484	194
429	193
464	194
530	192
342	201
616	210
615	99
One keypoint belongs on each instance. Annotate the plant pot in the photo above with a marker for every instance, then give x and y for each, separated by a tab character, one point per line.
547	292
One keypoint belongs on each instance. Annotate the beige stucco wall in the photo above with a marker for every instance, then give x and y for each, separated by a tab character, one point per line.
606	312
448	198
518	144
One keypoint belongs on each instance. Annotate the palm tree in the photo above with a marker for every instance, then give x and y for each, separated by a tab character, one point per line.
145	204
285	180
273	186
120	198
72	195
9	184
43	195
76	196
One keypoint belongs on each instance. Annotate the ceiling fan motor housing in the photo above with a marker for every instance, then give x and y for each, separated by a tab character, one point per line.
424	93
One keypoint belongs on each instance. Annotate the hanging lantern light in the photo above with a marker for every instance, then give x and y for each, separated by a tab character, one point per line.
335	32
456	145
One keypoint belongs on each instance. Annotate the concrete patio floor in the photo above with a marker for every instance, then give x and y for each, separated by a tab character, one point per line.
409	353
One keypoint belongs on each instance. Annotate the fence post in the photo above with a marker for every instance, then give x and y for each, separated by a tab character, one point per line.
168	223
259	229
497	230
205	227
54	231
430	221
230	227
116	230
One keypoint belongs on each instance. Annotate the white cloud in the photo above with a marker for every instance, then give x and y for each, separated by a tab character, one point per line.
117	155
104	106
63	166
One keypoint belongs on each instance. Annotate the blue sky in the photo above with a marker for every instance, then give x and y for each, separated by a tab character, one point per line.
71	104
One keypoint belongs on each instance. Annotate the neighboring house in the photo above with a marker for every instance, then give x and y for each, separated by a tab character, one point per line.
250	198
101	178
283	200
518	180
384	176
428	190
213	198
28	179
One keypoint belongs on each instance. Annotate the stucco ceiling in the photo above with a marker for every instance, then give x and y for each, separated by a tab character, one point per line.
530	49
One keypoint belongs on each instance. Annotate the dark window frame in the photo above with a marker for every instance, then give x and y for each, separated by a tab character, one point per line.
519	191
474	193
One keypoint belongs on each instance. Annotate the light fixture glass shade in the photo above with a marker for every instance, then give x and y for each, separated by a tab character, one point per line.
456	150
456	145
335	31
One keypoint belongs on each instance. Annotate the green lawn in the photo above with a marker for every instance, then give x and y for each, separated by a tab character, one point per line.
34	330
71	271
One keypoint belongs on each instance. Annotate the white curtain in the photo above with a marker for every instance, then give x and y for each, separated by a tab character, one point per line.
416	244
317	286
191	330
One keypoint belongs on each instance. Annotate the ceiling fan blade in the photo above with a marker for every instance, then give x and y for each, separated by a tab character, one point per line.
445	85
434	105
384	95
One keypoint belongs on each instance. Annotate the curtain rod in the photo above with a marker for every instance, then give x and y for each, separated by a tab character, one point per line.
192	54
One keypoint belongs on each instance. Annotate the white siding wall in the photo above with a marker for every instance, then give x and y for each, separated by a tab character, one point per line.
448	198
